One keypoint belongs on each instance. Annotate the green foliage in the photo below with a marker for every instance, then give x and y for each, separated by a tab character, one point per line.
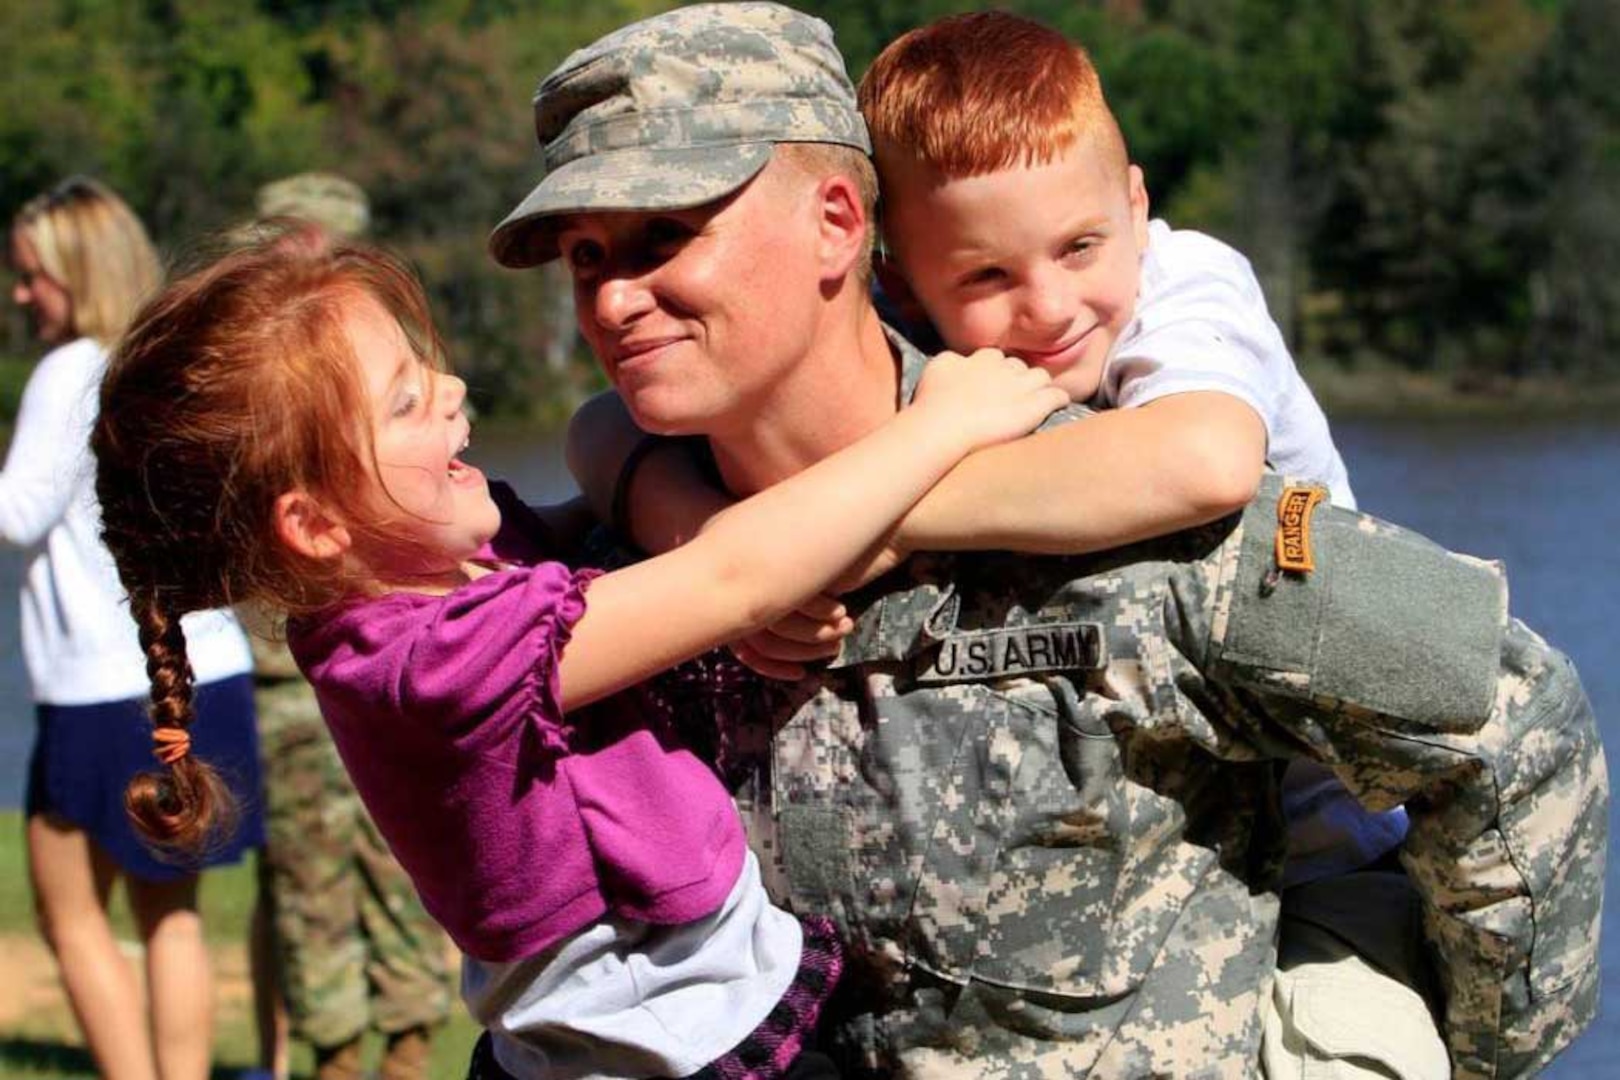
187	106
1428	182
1574	292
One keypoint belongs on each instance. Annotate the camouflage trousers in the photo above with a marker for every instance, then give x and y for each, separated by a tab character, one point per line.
355	948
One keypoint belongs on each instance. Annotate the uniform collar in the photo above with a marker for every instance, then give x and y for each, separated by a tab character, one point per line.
909	359
915	606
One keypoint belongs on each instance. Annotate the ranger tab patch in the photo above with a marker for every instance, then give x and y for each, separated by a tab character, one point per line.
1016	650
1294	528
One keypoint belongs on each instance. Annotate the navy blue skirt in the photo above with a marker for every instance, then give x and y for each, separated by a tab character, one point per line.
85	755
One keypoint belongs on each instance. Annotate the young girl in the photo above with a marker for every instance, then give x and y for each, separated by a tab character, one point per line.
83	264
276	427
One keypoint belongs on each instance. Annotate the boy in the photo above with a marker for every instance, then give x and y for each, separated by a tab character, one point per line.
1014	219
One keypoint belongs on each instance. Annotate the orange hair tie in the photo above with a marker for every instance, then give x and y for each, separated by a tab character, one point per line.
170	744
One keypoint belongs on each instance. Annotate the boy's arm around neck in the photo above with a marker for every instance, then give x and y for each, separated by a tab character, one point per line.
1113	478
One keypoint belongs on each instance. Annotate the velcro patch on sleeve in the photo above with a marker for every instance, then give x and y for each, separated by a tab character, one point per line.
1294	528
976	655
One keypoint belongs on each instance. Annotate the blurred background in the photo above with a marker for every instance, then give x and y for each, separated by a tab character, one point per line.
1429	191
1424	186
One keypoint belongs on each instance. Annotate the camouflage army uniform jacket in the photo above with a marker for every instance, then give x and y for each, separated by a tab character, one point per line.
1039	795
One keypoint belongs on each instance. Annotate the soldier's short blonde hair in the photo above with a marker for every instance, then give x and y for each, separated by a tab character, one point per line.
90	243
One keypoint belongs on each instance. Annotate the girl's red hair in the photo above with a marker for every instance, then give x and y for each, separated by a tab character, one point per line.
235	385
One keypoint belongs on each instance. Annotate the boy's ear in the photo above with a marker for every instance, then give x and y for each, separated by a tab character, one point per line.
307	529
844	224
1137	187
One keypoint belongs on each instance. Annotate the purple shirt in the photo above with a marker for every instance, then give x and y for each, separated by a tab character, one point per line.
518	826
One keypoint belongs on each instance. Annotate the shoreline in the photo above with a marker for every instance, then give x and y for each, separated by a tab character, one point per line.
1388	392
1370	390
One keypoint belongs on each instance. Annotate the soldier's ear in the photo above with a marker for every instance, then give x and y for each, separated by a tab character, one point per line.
842	226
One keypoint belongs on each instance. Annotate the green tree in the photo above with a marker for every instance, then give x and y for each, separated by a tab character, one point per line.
1432	241
1431	181
432	110
1575	287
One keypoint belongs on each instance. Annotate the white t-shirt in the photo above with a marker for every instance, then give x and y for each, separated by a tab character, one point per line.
627	999
1201	324
78	638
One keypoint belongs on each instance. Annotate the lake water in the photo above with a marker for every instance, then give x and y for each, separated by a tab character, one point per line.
1542	496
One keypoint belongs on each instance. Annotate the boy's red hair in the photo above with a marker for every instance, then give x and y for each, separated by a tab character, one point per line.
978	93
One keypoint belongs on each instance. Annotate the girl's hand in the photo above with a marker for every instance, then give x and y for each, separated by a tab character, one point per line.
988	397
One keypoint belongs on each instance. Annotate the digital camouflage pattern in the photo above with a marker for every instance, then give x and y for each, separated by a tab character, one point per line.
1066	865
356	950
333	202
678	110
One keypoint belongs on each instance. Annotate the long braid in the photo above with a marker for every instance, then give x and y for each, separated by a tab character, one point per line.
233	387
186	805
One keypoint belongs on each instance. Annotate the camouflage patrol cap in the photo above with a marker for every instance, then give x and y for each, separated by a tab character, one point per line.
676	111
332	202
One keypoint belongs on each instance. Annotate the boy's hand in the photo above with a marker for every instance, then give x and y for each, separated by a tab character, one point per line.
781	650
988	397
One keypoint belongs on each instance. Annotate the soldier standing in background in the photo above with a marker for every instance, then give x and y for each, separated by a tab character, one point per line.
338	929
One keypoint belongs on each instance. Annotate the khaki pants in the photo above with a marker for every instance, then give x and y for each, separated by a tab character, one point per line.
1351	996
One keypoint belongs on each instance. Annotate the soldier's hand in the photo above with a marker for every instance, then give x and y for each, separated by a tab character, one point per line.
781	650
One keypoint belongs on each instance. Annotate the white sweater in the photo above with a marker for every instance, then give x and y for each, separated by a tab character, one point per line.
77	635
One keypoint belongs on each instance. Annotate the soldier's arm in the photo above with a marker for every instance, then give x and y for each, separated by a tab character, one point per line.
646	487
1394	662
1511	865
1121	476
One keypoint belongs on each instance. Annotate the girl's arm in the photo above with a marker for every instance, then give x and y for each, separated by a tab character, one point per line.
1113	478
1110	479
760	558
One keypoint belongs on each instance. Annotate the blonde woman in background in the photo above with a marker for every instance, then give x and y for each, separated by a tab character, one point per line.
82	264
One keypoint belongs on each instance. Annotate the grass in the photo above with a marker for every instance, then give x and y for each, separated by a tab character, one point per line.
44	1044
